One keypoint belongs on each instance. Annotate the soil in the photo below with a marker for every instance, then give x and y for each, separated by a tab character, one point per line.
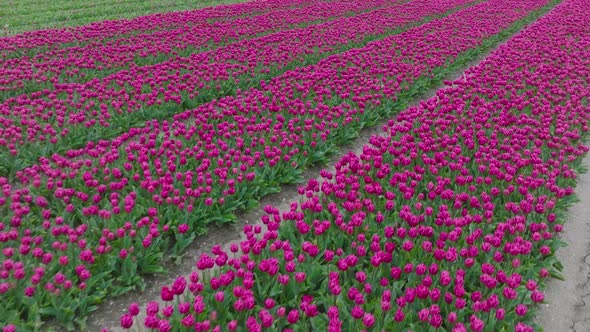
567	303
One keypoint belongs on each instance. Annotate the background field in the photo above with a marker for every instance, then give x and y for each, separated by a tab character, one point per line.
17	16
123	144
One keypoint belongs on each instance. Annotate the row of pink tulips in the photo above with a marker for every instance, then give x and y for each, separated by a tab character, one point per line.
105	30
41	70
67	116
81	226
448	222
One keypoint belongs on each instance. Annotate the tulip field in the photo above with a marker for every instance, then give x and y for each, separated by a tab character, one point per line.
26	15
122	143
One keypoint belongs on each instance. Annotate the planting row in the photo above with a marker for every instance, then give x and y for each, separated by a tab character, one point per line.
40	70
447	222
28	15
105	30
100	217
68	117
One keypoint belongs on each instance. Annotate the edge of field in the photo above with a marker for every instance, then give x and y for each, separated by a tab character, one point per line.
88	14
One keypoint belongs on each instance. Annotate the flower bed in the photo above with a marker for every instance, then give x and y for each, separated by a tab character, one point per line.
36	71
446	222
70	115
88	224
105	30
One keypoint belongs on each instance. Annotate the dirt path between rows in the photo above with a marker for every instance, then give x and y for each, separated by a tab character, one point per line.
567	307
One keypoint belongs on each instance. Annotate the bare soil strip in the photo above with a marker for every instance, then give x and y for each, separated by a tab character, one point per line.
567	302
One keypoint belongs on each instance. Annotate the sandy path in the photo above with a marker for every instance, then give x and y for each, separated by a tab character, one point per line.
568	302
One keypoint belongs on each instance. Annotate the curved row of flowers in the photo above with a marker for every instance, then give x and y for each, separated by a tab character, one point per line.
41	70
66	117
99	32
446	222
81	226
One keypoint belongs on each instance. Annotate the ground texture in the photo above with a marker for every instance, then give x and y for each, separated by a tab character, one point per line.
567	306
